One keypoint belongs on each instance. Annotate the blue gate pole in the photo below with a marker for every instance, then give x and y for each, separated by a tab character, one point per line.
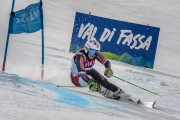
42	31
7	41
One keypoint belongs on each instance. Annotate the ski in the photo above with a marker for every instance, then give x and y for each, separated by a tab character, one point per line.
135	101
131	100
149	104
142	103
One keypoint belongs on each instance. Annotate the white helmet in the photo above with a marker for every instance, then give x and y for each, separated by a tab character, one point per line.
92	44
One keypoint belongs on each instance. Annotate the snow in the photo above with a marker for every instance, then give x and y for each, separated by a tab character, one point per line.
24	96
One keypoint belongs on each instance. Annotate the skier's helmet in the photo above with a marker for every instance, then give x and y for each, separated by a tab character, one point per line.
92	44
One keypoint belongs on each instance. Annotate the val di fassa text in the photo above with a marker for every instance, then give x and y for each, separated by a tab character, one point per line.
126	37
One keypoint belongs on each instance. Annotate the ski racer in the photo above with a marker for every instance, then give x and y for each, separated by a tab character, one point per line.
83	74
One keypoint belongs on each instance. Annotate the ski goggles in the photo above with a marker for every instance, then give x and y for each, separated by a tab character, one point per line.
93	52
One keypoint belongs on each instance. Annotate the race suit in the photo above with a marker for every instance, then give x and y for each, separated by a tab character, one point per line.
82	70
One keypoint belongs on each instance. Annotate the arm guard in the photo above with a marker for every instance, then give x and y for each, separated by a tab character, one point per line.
107	64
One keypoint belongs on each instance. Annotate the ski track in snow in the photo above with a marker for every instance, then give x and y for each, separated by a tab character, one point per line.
27	94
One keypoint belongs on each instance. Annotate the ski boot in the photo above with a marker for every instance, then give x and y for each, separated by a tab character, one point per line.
114	95
108	93
121	93
94	86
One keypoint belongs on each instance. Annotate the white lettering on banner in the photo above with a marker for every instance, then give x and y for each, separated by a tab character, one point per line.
89	31
107	34
27	17
133	39
126	37
146	44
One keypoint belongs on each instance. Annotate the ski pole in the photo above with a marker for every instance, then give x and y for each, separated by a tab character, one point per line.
60	86
137	86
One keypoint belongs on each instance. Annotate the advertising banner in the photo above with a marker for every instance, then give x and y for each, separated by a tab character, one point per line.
121	41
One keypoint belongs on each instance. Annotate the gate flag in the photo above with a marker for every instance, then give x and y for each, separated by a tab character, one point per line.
27	20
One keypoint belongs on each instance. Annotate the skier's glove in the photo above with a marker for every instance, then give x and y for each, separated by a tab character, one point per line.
108	72
93	86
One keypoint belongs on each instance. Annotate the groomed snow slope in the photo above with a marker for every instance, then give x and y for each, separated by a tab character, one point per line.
27	97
